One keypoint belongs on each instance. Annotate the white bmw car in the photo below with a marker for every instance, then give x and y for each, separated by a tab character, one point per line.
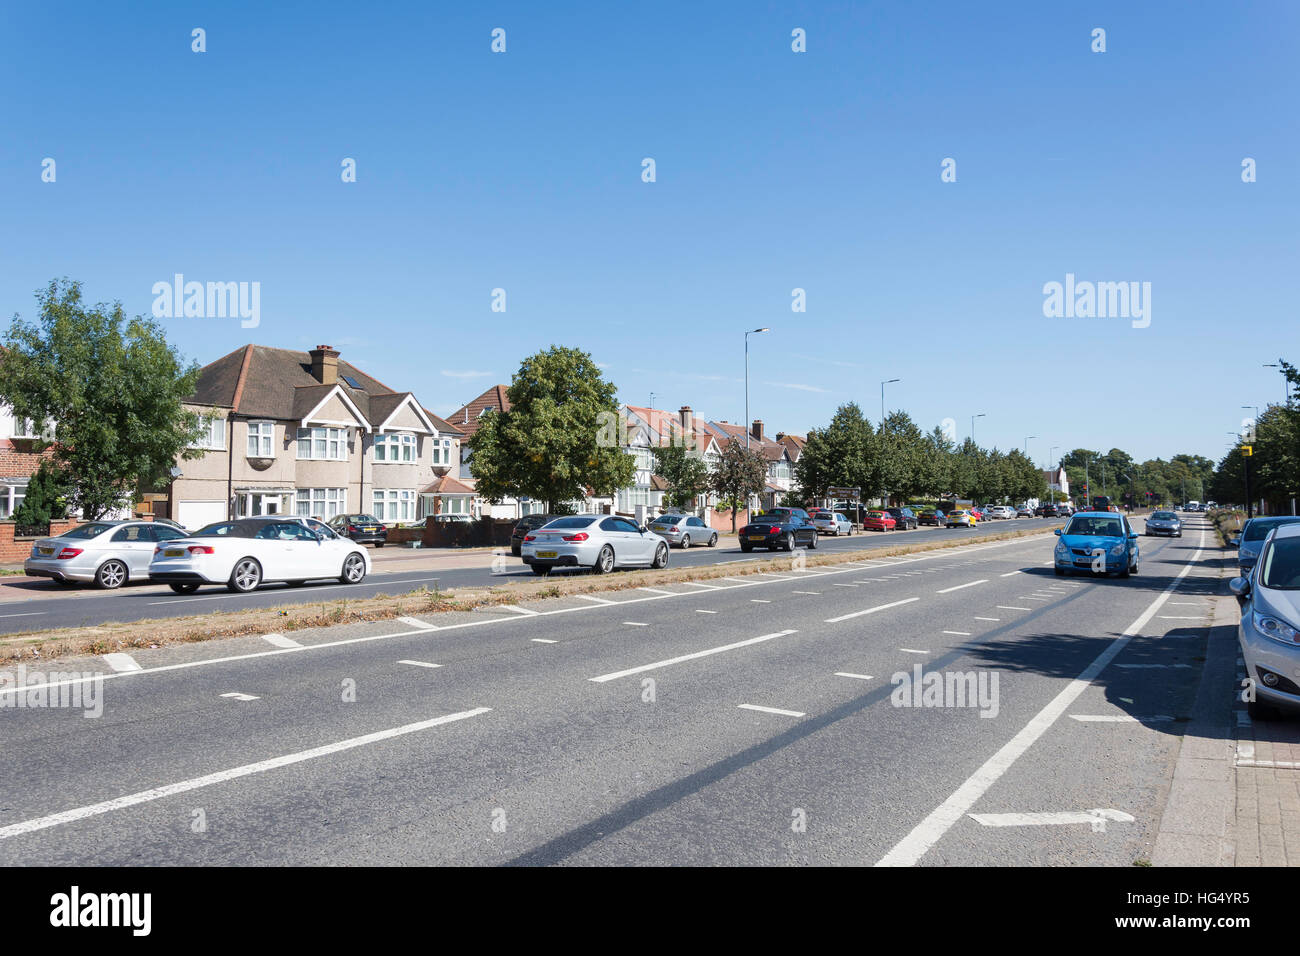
248	552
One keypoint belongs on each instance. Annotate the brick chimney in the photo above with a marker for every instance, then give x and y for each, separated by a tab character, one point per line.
756	430
688	426
324	364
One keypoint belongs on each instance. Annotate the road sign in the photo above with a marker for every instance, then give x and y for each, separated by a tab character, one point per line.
1247	450
837	492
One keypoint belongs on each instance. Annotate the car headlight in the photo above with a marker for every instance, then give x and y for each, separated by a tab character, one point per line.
1278	630
1061	548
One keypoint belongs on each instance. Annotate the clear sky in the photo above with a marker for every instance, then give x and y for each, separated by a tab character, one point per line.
775	170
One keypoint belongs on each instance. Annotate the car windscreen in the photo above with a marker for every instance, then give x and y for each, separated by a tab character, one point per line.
92	530
1096	527
1258	528
561	524
1164	516
1281	565
223	529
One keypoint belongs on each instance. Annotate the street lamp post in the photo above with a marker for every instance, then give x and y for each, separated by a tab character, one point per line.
1027	437
882	397
972	426
1254	421
747	335
1286	382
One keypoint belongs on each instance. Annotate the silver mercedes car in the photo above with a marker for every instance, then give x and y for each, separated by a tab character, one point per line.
599	542
105	553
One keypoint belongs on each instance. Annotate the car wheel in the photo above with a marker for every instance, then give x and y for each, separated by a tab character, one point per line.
246	576
354	569
661	557
789	543
812	545
379	544
186	588
713	541
516	551
686	541
540	569
746	548
111	574
604	561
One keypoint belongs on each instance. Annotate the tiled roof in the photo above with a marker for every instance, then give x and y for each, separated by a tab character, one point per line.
466	418
447	485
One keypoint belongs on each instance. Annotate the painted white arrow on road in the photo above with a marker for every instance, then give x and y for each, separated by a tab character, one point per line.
1063	818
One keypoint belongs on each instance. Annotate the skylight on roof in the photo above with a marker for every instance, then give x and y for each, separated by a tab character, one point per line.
352	382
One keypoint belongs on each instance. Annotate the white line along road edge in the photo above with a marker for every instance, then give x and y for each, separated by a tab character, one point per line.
929	831
171	789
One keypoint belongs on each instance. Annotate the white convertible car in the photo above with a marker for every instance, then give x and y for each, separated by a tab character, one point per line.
246	552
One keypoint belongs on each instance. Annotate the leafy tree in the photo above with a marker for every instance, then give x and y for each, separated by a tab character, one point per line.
934	464
112	390
738	474
555	443
687	475
902	448
843	454
46	498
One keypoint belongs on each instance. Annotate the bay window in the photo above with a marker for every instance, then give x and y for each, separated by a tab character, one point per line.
323	444
260	435
395	448
394	504
322	503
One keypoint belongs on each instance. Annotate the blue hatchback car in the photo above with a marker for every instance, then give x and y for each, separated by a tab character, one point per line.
1100	542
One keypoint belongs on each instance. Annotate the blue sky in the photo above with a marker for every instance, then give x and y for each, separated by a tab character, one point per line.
775	170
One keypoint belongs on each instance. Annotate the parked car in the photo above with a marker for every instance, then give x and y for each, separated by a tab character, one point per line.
1164	522
1097	541
171	524
1024	511
453	519
105	553
930	516
683	530
1269	630
602	543
904	518
1251	540
245	553
363	529
524	525
959	519
879	521
833	523
779	528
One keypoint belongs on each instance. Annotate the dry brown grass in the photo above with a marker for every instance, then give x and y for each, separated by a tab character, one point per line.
110	637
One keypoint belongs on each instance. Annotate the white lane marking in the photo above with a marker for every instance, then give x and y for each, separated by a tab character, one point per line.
636	623
772	710
122	663
855	676
700	610
839	584
805	592
689	657
1063	818
279	640
759	601
593	599
236	696
518	610
1011	607
870	610
710	587
959	633
542	640
988	618
26	614
1030	597
736	580
1008	574
909	850
419	663
908	650
1117	718
417	623
485	621
1193	603
969	584
194	783
1150	667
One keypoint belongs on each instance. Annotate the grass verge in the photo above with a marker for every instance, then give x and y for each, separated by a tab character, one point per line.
117	636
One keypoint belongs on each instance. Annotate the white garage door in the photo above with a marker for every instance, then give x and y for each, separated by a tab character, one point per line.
195	514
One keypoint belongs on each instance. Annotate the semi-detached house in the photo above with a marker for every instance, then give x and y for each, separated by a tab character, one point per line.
288	432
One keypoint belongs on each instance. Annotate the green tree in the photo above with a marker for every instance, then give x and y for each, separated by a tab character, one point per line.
738	474
46	498
843	454
112	390
561	439
687	475
902	450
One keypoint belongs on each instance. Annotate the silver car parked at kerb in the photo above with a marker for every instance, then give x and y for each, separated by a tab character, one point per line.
106	553
832	522
599	542
683	530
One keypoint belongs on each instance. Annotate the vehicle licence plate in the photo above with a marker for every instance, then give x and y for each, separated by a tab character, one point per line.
173	552
546	554
45	550
757	537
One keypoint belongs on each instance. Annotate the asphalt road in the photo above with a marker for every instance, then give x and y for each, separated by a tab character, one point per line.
53	606
744	722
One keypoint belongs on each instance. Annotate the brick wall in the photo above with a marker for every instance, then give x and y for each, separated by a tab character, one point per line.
15	550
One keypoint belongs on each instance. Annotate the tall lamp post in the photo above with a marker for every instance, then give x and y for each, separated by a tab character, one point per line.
1027	437
1286	382
882	397
1254	421
747	335
972	426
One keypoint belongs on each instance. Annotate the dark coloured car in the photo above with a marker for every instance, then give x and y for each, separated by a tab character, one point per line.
524	525
779	529
1047	511
931	516
904	518
363	529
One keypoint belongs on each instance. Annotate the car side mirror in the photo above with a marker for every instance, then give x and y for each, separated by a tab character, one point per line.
1234	542
1058	530
1240	587
1132	535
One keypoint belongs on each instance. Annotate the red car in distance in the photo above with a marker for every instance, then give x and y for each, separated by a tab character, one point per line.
878	521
